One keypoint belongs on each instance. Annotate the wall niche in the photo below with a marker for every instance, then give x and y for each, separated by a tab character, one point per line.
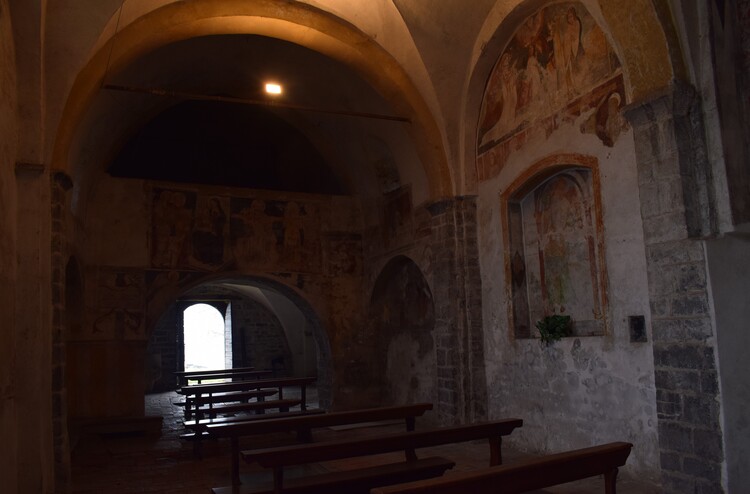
554	254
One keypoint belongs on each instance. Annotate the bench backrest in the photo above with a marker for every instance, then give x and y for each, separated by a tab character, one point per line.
238	386
386	443
322	420
213	371
525	475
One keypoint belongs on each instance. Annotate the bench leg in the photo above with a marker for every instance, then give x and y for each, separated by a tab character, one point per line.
278	479
610	482
235	461
496	454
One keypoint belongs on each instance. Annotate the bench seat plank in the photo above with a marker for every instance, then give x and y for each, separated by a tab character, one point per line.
304	425
408	412
527	475
358	481
407	441
257	406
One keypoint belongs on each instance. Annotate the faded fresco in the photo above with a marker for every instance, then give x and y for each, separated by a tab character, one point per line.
557	270
119	305
206	232
553	69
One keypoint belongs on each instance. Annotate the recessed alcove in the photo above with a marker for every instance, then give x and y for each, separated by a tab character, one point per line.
554	251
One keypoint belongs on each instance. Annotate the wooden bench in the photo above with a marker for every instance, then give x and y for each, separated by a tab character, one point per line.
199	426
362	480
303	425
230	374
527	475
200	393
238	396
184	376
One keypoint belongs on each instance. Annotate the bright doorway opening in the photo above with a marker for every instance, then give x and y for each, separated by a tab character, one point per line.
206	344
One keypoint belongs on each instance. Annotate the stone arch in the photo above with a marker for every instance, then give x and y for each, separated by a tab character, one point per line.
402	316
295	22
160	301
567	184
648	51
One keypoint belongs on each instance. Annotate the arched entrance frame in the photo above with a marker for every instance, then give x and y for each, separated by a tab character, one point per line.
314	315
294	22
648	49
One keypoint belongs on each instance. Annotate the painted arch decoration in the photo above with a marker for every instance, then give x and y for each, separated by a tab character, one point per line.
557	67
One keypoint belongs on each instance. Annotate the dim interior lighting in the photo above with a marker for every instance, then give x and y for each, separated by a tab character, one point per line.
273	88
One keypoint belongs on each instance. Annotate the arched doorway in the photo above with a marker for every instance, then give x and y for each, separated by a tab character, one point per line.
403	317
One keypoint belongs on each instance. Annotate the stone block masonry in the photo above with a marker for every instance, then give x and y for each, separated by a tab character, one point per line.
677	210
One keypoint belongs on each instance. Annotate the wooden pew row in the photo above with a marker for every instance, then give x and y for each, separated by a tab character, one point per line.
237	396
183	376
303	425
360	481
234	375
527	475
196	395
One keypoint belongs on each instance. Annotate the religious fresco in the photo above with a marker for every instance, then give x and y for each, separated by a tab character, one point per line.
119	305
192	231
557	66
555	255
172	219
398	223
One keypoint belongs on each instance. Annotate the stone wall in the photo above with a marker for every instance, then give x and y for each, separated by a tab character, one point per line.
673	178
261	333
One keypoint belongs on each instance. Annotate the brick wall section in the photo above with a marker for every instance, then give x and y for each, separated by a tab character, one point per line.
673	178
60	185
462	387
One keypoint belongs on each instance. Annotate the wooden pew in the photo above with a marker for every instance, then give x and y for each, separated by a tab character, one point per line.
198	394
231	374
362	480
184	376
527	475
303	425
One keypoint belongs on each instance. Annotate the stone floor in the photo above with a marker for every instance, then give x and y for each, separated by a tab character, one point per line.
137	463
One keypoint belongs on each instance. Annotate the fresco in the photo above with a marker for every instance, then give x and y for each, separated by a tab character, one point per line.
554	68
555	258
192	231
119	305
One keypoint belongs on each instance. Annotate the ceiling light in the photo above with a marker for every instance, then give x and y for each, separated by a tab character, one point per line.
273	88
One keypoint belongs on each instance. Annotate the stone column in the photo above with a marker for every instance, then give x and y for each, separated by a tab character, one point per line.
33	342
462	383
677	207
60	185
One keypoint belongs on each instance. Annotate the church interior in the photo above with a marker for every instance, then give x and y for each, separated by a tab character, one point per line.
351	185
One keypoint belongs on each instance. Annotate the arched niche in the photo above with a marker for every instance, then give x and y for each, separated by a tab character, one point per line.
638	35
402	315
554	247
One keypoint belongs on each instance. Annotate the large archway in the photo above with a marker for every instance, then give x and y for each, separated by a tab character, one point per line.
295	22
268	326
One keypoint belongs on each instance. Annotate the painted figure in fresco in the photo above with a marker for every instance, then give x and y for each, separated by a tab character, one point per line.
506	93
172	224
571	48
208	236
254	239
293	234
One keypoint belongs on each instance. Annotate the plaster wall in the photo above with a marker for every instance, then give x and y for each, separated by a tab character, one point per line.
581	390
8	373
729	271
129	284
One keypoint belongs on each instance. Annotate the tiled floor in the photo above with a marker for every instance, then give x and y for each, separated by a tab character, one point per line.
136	463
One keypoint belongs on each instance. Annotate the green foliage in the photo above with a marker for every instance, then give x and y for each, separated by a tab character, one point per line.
552	328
